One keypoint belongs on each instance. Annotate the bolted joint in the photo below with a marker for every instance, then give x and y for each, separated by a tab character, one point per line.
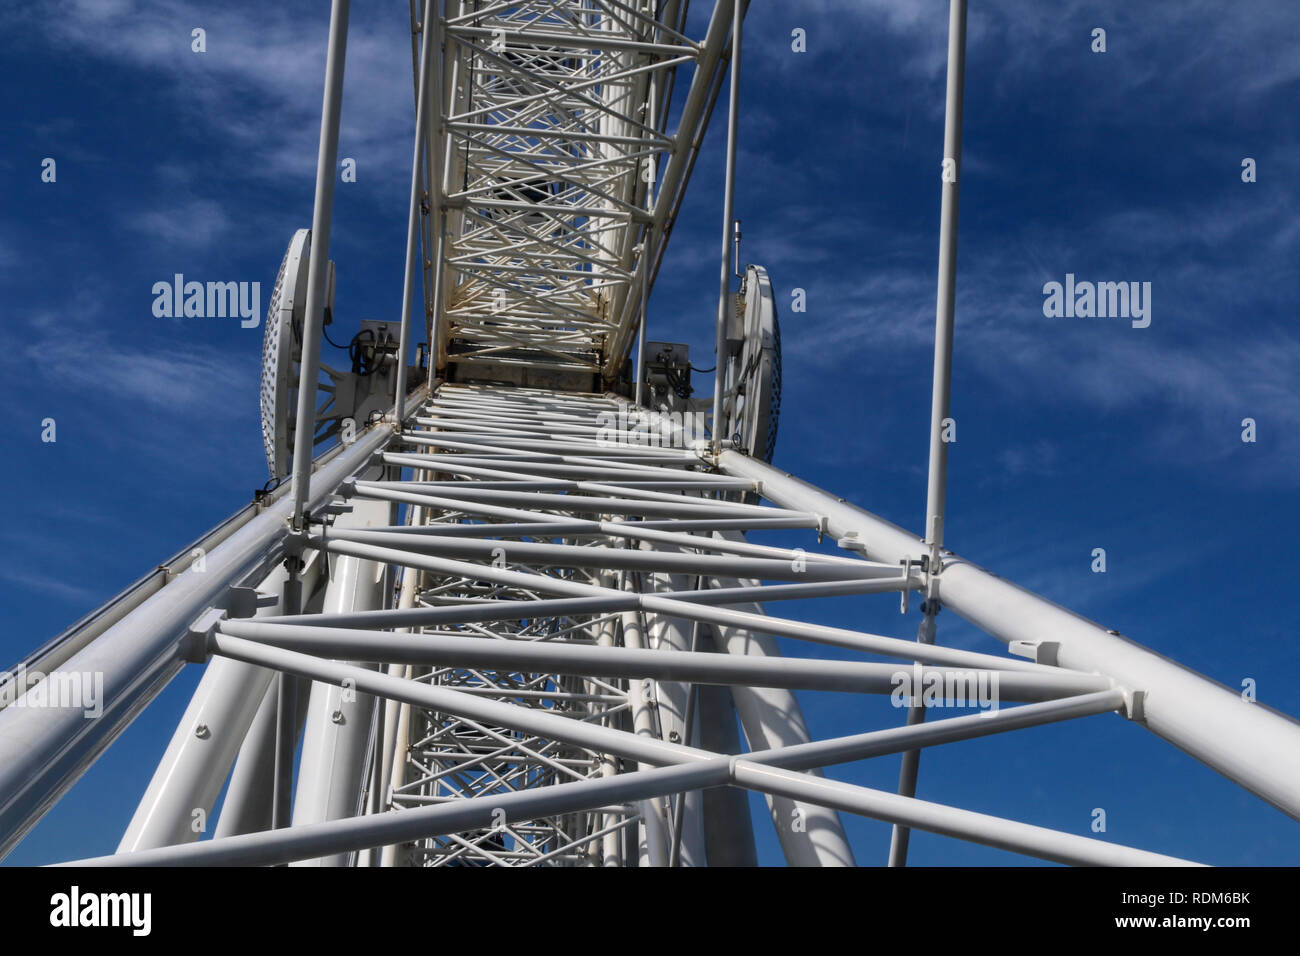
295	543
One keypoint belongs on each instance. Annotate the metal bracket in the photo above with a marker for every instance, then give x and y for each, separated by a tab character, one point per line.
263	494
244	602
327	512
295	542
1041	652
851	542
239	602
194	644
904	598
1134	704
930	565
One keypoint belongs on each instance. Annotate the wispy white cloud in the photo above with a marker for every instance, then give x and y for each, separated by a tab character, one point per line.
260	81
48	584
1034	458
1187	381
1027	32
170	376
195	223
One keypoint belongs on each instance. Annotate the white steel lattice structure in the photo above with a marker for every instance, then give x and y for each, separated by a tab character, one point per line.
553	138
516	617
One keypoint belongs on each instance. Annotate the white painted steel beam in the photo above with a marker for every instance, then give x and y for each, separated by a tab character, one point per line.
43	751
1247	742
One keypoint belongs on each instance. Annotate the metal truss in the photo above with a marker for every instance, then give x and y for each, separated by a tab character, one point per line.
547	150
521	625
576	590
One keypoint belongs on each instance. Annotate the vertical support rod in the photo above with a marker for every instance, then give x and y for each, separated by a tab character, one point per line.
644	269
643	257
692	694
429	41
937	488
936	493
728	208
447	80
396	715
437	358
322	212
901	835
286	712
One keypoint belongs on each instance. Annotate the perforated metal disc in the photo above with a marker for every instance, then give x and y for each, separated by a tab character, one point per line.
281	352
758	407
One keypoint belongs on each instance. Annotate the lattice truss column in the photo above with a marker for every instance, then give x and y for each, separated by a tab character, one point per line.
553	126
449	756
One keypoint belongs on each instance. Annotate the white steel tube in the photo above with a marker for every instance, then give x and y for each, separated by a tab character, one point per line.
728	210
941	395
335	737
395	715
753	663
203	748
681	160
317	269
759	771
936	492
425	101
1245	741
949	821
662	603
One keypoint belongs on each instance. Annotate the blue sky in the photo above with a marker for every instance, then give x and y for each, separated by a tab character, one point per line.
1073	434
